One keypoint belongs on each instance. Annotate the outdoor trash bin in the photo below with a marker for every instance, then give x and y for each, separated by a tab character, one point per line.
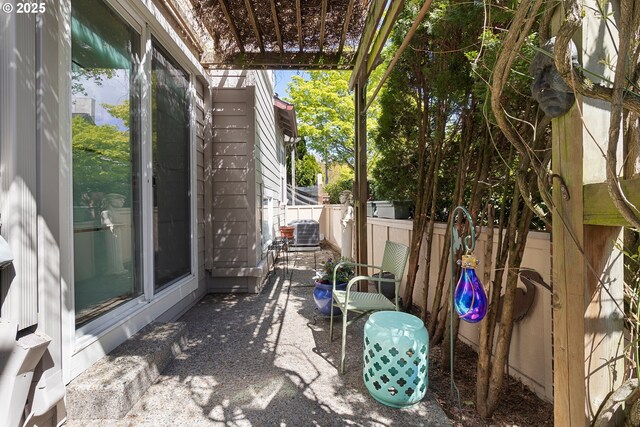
396	357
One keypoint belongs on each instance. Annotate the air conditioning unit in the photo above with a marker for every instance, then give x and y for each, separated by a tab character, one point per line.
307	232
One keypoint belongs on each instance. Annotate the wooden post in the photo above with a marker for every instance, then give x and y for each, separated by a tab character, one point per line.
361	171
587	269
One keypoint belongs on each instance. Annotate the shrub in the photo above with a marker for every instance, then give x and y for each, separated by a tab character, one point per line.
335	188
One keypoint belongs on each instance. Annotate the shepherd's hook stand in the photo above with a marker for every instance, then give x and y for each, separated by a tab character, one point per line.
469	242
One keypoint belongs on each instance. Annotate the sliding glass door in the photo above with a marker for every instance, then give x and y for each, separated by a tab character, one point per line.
171	168
106	161
117	138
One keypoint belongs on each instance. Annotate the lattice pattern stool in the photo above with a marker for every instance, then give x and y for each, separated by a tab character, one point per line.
396	358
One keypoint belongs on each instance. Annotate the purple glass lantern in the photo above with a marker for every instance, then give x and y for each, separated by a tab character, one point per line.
470	298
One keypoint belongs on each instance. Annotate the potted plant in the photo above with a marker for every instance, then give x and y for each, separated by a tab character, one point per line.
323	281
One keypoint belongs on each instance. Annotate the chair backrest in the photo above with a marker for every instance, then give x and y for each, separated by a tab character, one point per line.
394	259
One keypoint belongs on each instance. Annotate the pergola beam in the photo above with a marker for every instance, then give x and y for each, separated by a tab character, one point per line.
371	25
323	22
383	34
299	23
281	61
254	24
345	28
232	26
361	195
403	46
274	14
599	208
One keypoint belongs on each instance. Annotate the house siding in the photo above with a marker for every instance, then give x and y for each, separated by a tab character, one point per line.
267	164
230	176
245	173
19	281
201	141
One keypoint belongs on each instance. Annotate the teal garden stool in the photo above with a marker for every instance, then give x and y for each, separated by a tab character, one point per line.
396	358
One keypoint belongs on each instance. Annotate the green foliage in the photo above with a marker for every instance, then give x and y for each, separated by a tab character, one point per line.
343	274
433	74
335	188
325	111
101	157
307	170
307	166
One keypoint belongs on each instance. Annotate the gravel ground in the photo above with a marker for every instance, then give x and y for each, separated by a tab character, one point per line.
266	360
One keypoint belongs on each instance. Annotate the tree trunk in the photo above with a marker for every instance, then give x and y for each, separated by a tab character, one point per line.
422	199
430	228
437	325
506	321
491	370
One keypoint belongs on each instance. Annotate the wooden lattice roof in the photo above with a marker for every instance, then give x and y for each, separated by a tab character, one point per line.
281	34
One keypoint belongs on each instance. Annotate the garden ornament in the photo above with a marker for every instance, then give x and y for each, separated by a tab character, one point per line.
346	198
470	298
554	96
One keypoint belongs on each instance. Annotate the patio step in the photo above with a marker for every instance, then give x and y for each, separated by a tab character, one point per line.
110	388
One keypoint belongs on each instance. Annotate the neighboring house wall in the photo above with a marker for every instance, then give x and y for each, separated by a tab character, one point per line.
268	160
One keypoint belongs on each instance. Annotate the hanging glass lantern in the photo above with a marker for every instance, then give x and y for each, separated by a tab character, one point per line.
470	297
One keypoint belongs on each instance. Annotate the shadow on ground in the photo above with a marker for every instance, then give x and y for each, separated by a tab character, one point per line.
266	360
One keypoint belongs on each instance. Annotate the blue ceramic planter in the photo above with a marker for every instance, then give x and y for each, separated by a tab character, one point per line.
322	297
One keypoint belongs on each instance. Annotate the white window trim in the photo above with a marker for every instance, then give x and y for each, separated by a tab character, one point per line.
95	339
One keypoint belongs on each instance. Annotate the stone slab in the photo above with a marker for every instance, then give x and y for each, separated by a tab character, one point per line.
117	381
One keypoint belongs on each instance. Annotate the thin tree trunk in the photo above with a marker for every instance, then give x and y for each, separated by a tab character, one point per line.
422	199
506	322
441	121
430	228
476	197
463	165
491	369
487	326
488	248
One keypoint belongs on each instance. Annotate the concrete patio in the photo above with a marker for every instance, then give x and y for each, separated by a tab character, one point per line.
266	360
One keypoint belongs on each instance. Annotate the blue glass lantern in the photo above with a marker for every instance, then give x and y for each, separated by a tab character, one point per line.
470	298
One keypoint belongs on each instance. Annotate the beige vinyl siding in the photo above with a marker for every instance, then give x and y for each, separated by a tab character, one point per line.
201	135
279	211
232	150
245	170
267	155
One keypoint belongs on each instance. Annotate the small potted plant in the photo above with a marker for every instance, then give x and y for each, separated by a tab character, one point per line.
323	281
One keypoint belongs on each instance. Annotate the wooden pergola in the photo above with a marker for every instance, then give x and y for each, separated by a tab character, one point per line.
350	35
309	35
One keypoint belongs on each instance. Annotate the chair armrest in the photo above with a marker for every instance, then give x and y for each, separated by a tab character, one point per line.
356	279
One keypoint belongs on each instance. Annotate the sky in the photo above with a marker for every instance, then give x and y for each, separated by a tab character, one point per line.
282	80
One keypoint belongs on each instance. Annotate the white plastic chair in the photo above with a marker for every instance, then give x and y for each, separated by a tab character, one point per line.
394	261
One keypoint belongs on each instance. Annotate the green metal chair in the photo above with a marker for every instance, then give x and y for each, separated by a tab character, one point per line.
394	261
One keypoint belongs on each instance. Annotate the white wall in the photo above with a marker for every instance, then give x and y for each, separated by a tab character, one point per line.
530	357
